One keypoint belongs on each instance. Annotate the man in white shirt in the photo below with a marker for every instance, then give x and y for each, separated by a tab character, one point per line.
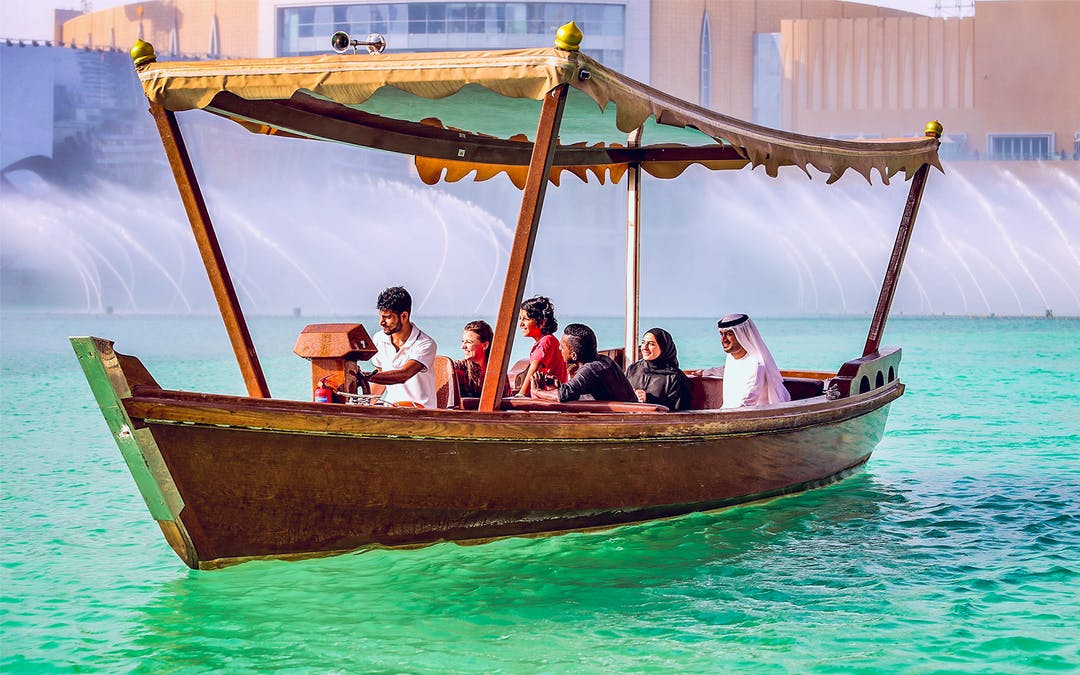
405	355
751	377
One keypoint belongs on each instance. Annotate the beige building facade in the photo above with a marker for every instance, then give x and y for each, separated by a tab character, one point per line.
710	44
1004	82
177	28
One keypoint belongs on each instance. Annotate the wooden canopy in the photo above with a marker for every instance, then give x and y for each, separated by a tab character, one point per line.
480	105
462	113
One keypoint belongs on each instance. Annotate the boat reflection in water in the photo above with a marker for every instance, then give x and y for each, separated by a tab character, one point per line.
234	478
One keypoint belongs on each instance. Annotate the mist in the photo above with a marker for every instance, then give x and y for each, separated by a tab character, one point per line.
321	229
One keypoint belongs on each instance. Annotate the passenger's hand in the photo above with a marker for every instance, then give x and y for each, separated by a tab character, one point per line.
640	395
539	382
362	381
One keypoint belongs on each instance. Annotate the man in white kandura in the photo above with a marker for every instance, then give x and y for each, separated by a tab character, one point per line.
751	377
406	354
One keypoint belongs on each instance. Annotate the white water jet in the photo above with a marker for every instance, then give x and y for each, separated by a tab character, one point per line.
935	222
993	218
1041	207
976	253
326	234
1051	269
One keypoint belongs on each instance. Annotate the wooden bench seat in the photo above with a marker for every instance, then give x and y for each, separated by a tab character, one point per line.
538	405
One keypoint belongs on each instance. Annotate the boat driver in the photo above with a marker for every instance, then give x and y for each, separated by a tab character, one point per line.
405	355
597	377
751	377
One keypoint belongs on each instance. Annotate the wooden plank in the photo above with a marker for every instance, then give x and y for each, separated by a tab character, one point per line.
517	270
896	261
454	426
210	250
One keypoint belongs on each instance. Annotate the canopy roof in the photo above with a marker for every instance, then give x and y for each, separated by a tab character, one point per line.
464	112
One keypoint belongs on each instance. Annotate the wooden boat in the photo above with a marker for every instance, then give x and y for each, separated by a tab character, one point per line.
233	478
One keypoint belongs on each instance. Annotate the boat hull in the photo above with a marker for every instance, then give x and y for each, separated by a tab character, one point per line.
257	493
240	478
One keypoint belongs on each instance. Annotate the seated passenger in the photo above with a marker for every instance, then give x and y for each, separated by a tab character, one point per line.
476	345
405	354
656	378
596	378
751	377
537	320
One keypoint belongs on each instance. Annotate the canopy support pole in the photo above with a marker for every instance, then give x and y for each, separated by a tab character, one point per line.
517	269
206	239
633	253
896	262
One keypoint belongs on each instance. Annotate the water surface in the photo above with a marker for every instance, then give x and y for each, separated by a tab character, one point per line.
955	550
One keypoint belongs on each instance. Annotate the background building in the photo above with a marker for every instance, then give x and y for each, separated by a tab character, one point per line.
823	67
986	77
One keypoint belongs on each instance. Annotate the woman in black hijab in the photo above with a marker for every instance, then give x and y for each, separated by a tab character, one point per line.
656	377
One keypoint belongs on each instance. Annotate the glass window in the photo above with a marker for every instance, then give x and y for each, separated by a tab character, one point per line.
1031	146
475	13
305	22
455	18
357	14
436	18
341	18
516	17
378	22
304	30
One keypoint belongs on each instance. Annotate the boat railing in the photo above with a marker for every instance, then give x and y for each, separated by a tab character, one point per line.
864	374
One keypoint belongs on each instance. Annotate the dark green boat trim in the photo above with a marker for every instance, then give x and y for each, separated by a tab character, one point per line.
107	382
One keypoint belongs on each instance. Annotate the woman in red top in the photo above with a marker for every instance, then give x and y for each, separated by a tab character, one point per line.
537	320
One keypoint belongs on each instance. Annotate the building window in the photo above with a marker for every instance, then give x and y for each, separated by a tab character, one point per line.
706	63
438	26
1027	146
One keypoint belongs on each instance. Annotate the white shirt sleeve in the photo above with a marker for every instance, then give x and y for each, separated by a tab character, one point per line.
376	360
423	351
755	383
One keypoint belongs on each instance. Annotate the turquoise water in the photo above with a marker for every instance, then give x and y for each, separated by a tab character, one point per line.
957	548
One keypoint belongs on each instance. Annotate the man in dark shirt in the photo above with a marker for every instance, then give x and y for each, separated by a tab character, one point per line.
597	377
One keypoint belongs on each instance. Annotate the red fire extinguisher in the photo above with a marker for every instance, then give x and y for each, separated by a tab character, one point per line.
323	392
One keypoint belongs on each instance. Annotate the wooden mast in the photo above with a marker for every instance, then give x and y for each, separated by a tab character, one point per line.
633	253
210	250
517	269
900	247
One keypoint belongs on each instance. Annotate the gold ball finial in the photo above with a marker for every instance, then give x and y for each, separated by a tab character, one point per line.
142	53
934	128
568	37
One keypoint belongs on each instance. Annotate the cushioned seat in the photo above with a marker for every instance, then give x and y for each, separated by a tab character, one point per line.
804	387
706	392
446	384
